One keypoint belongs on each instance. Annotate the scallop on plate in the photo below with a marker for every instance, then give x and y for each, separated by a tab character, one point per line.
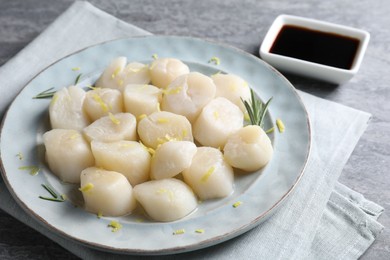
60	206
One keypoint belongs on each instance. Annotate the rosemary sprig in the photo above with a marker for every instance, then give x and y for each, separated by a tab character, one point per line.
55	196
78	78
48	93
256	109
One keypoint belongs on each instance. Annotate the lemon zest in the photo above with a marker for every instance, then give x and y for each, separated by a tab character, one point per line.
179	231
142	116
200	231
76	68
162	120
246	116
270	130
115	73
215	60
173	91
54	99
87	187
167	192
216	115
207	175
99	215
158	107
184	133
280	125
154	56
115	226
34	170
100	101
237	204
114	119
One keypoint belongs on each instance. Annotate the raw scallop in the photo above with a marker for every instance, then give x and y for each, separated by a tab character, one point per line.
171	158
188	94
107	193
127	157
218	119
233	88
163	71
160	127
67	153
112	128
142	99
66	109
248	149
209	175
117	74
101	101
166	200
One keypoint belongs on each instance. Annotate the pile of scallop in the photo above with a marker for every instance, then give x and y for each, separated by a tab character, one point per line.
156	136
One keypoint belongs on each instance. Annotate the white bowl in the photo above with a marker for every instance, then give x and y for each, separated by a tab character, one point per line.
307	68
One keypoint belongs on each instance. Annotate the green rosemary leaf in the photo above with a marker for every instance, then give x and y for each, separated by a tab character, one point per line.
78	79
52	199
52	192
48	93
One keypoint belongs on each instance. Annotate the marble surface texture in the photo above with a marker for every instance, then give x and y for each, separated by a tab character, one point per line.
242	24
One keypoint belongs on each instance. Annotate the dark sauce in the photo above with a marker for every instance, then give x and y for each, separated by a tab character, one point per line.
329	49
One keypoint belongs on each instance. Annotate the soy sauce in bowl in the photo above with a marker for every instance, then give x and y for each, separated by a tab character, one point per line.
321	47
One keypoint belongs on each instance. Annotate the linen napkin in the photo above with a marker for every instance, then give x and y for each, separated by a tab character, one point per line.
322	219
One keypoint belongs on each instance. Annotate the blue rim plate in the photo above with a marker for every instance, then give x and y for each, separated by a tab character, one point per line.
260	193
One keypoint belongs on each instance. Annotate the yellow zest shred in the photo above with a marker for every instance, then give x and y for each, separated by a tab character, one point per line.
99	215
87	187
280	125
158	107
215	60
120	82
184	133
179	231
139	220
20	156
100	101
173	91
74	135
151	151
167	192
155	56
151	66
115	226
54	99
162	120
270	130
216	115
76	68
206	176
34	170
200	231
114	119
142	116
115	73
236	204
246	117
233	87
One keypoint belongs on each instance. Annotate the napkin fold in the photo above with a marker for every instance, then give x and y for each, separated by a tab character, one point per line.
321	219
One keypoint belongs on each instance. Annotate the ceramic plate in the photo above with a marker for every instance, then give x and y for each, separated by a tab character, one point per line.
260	193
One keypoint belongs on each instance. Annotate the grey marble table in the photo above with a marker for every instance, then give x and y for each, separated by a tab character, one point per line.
242	24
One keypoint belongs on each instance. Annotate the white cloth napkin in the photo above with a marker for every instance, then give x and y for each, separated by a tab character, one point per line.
322	219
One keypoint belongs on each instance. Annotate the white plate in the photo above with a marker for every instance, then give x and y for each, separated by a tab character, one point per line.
260	192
